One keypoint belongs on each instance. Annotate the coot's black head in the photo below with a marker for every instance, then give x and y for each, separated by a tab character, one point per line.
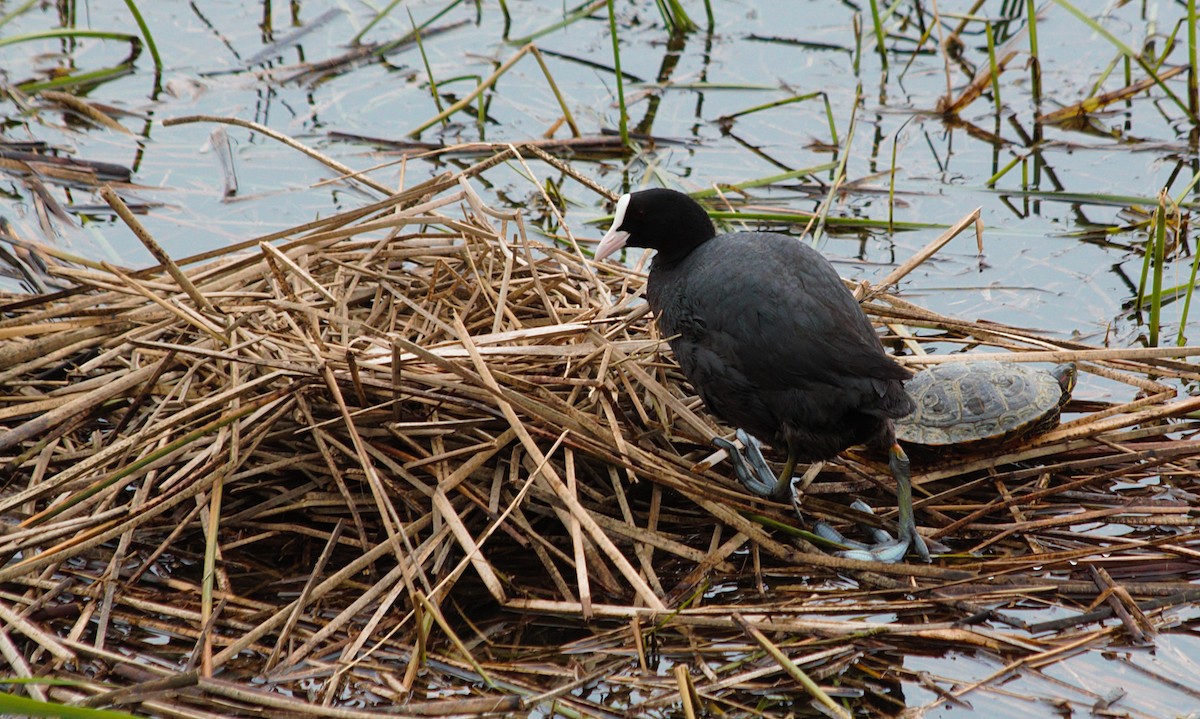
659	219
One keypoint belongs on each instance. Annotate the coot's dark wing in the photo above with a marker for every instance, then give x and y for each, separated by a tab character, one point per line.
773	309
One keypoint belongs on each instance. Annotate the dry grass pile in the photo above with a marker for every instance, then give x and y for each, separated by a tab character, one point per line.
408	458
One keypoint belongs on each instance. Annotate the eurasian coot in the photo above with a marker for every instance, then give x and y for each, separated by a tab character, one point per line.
770	338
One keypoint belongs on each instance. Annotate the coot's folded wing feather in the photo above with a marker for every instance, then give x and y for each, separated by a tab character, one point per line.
780	337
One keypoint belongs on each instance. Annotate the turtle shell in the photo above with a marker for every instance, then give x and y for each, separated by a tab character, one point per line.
962	403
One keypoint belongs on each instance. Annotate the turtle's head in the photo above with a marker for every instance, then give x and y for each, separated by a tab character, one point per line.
1066	375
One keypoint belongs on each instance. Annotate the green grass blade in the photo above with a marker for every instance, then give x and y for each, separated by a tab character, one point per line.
146	35
386	48
1158	248
1180	337
991	181
765	181
562	101
133	40
1193	80
17	12
840	174
580	12
675	17
991	50
770	105
616	46
88	79
433	88
13	705
1128	52
1035	67
379	16
880	45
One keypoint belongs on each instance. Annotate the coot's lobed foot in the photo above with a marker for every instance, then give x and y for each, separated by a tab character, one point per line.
754	477
885	548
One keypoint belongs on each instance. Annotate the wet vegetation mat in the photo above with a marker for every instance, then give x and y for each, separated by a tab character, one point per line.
407	459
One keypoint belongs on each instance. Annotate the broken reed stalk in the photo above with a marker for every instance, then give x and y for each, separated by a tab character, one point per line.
409	440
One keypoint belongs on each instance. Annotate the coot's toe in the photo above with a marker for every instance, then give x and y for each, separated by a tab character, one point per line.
750	467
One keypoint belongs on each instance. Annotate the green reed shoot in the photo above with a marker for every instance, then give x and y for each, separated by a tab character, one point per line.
839	176
856	20
991	181
767	180
1098	85
490	81
788	101
1129	53
1035	67
146	35
675	17
991	51
481	109
133	40
583	10
891	221
1193	94
1180	337
84	78
1152	269
379	16
562	101
616	45
387	47
433	87
17	12
507	18
14	705
878	21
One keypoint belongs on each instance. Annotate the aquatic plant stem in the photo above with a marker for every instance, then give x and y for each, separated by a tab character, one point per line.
491	80
991	46
17	12
821	217
879	43
892	180
562	101
1158	247
612	29
790	667
433	88
1035	66
1180	337
146	36
1193	81
1128	52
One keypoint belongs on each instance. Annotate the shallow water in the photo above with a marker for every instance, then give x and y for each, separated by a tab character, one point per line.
1032	274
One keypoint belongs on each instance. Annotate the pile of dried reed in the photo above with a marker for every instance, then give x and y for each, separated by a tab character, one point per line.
408	458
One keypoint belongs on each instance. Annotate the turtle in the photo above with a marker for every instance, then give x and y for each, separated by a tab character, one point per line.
969	404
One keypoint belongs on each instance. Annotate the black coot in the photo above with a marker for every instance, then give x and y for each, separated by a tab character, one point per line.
771	339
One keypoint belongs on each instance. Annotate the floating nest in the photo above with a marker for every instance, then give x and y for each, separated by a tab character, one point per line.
408	460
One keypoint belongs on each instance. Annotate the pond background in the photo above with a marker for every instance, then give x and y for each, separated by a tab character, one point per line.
1063	232
1052	259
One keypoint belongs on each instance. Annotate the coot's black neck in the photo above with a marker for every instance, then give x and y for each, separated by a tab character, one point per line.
689	227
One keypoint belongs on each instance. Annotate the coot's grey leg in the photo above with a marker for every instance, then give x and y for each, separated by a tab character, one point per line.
885	548
752	471
906	519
